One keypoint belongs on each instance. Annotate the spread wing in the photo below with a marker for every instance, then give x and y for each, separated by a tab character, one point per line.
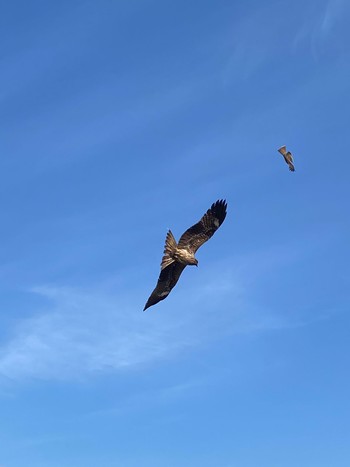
199	233
283	150
167	280
289	159
291	166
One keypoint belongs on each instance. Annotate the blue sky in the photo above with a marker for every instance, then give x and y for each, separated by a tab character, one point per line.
120	120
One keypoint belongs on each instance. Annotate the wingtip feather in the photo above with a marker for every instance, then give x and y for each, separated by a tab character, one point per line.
219	208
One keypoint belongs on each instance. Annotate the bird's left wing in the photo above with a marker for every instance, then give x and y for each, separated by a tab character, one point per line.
199	233
167	280
289	156
290	161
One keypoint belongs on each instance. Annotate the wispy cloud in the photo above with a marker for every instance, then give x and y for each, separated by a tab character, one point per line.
80	332
331	14
88	331
83	332
155	397
246	54
317	29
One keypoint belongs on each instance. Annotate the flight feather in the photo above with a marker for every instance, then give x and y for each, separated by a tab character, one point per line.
287	157
200	233
177	256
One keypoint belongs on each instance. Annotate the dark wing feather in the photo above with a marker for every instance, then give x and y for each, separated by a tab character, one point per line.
167	280
291	166
199	233
289	156
289	159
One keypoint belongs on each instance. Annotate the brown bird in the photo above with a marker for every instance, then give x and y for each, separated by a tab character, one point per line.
287	157
178	256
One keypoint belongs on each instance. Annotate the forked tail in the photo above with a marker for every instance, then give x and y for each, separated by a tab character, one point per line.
169	250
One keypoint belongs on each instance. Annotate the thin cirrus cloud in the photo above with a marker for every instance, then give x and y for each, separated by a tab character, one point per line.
317	29
84	332
332	14
79	334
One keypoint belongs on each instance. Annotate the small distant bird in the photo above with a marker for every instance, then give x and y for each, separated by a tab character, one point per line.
178	256
287	157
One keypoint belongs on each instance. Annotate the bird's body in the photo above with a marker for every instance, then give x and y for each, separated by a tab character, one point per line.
179	255
184	257
287	157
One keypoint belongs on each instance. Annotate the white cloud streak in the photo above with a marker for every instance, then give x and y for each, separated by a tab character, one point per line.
317	30
84	332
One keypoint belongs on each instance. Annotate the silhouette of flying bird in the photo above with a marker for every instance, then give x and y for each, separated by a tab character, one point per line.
178	256
287	157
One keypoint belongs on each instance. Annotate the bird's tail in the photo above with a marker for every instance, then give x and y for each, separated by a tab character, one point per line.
169	250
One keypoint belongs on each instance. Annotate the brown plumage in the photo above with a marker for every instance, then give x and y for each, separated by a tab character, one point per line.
287	157
178	256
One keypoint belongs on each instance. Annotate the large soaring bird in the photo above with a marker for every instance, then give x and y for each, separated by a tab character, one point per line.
287	157
178	256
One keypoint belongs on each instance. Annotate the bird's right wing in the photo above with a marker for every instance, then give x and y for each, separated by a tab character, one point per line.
167	280
283	150
199	233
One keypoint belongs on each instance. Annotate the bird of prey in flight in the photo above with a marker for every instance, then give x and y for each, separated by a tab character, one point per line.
178	255
287	157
